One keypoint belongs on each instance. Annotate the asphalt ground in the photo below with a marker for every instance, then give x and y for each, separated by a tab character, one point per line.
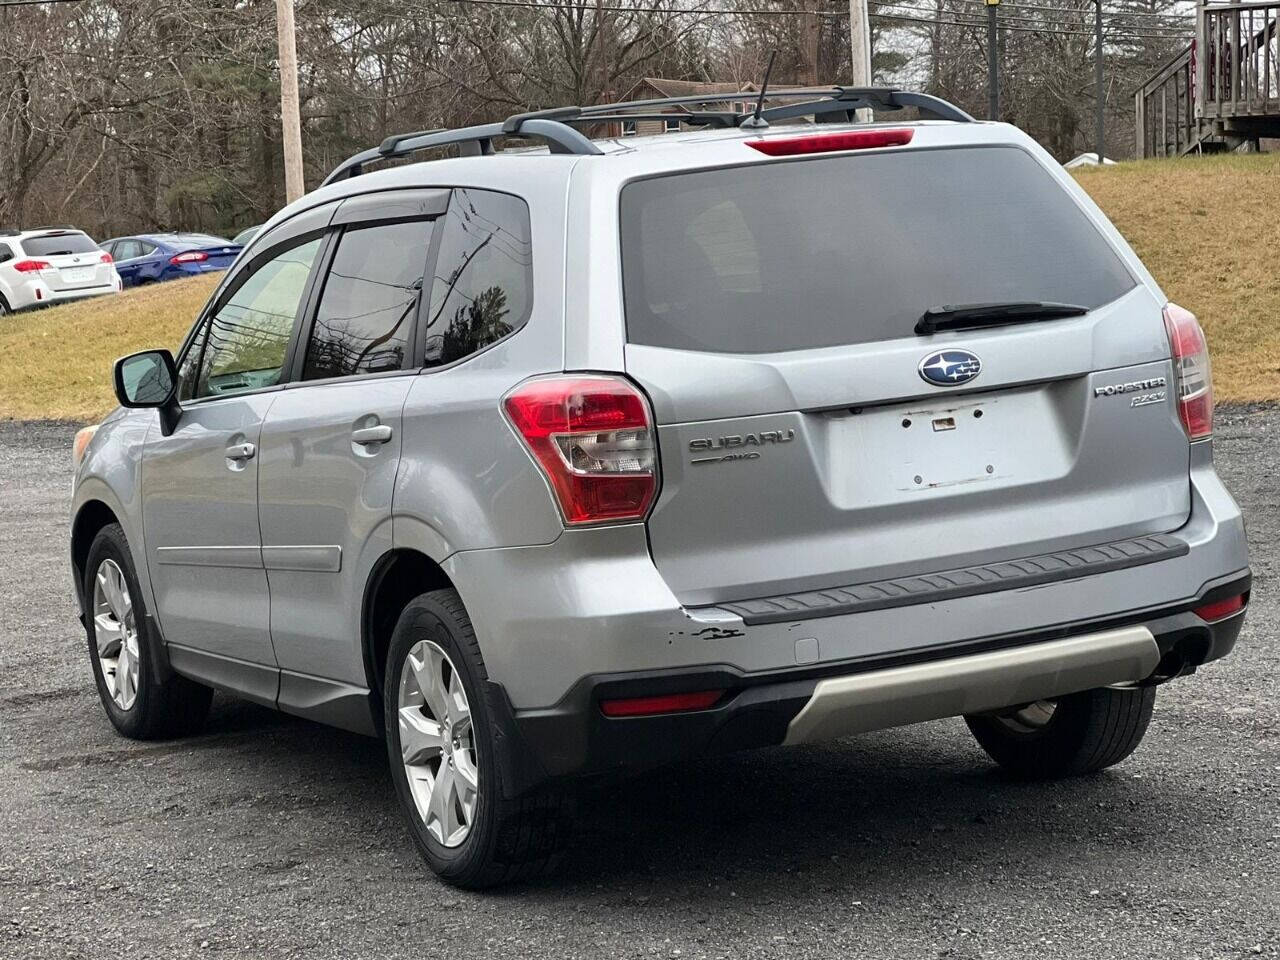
269	836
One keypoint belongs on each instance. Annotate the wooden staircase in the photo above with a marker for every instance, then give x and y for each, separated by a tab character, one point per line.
1222	92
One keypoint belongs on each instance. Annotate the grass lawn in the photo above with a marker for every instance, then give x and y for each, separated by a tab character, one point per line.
1204	226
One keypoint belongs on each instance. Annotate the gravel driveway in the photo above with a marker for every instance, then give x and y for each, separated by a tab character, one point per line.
272	837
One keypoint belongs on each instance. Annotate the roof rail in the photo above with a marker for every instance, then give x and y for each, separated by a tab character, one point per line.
56	226
475	141
554	126
10	232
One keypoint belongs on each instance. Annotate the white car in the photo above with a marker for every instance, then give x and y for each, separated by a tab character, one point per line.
52	265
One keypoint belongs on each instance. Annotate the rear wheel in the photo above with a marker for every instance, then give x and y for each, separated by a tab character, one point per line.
442	749
1072	735
139	702
4	306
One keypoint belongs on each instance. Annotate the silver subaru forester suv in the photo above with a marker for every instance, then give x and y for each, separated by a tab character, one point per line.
572	460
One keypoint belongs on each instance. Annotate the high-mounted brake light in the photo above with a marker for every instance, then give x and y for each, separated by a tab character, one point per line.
1192	378
593	438
829	142
669	703
31	266
191	256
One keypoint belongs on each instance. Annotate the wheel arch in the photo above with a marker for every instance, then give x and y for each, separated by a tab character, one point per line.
90	518
398	576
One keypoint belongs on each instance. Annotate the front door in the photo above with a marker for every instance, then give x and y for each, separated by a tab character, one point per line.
200	483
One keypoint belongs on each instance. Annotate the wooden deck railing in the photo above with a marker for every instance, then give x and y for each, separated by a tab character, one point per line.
1164	108
1239	58
1225	84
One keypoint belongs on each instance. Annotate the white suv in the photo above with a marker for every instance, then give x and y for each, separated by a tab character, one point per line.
51	265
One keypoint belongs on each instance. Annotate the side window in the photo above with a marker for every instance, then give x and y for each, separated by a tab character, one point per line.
6	254
366	312
483	284
249	334
145	249
128	250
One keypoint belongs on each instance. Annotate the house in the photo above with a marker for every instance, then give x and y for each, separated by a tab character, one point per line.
720	97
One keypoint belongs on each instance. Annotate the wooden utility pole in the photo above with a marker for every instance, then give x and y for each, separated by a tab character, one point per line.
993	61
860	42
290	117
1098	79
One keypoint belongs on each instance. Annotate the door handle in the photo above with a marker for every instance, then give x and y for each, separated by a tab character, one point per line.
241	451
367	435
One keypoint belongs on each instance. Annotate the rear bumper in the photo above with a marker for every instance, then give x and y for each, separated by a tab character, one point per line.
37	293
816	703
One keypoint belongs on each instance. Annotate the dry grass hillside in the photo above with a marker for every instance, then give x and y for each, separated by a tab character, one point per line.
1204	226
56	363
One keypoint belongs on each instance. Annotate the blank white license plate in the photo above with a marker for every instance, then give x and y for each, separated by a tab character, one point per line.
77	274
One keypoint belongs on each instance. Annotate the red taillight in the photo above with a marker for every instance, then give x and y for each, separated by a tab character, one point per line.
827	142
1192	378
593	437
107	258
1220	608
31	266
191	256
670	703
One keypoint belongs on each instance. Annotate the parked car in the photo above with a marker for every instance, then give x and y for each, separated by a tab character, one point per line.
154	257
242	238
580	462
48	265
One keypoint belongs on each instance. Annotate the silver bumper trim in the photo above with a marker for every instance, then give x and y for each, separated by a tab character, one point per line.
841	706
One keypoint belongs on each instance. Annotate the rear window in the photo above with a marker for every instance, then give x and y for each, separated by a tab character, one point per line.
850	249
55	244
193	241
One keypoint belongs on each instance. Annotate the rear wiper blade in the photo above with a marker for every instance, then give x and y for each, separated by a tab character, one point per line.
969	315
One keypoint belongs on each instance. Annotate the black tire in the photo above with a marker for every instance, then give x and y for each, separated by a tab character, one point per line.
1086	732
509	840
4	306
164	706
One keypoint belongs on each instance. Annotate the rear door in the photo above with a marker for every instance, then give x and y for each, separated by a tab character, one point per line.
810	439
75	262
331	442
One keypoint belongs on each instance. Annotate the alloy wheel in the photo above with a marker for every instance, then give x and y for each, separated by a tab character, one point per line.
116	633
437	743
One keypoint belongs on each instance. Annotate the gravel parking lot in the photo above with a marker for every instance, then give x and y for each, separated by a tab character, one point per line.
272	837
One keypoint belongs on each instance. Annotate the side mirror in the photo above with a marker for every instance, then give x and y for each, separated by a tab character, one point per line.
149	379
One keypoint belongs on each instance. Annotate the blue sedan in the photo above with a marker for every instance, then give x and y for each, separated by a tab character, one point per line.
152	257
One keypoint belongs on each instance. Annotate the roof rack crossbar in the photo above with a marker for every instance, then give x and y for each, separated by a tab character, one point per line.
846	99
559	137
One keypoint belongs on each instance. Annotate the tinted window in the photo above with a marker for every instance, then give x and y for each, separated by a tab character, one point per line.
249	335
482	289
370	297
128	250
5	252
850	249
54	244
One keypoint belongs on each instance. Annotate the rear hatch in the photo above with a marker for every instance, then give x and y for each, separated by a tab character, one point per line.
75	261
804	438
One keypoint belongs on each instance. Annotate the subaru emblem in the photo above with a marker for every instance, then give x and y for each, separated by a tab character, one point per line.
949	368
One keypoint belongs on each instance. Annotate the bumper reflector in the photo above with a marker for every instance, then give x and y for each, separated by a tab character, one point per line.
1220	609
669	703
